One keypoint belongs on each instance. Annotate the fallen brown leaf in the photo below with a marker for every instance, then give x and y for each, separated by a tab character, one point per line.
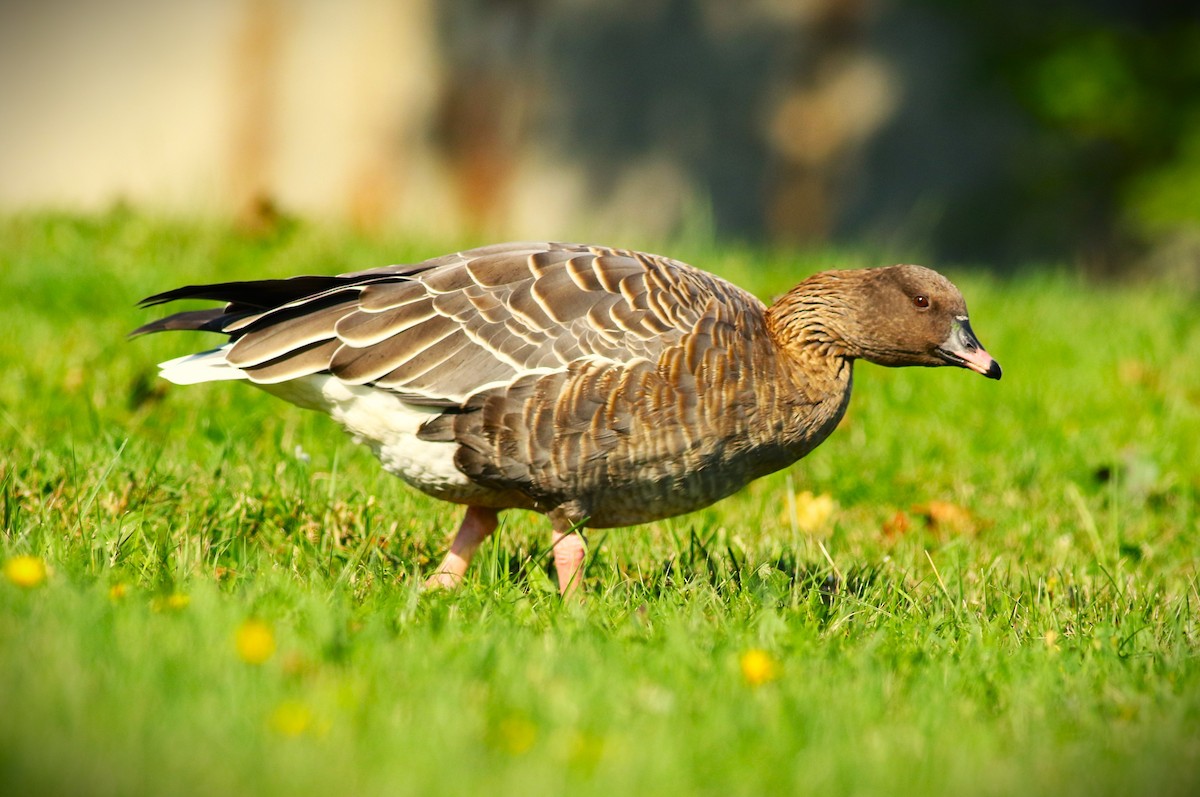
897	526
945	516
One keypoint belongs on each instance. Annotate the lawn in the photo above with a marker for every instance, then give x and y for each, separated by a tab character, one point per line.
971	588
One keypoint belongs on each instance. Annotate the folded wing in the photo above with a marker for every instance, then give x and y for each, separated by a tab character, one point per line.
441	331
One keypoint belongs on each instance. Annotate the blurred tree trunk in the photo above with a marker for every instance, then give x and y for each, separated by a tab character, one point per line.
483	114
838	95
254	89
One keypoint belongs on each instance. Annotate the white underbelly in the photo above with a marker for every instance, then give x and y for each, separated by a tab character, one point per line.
389	426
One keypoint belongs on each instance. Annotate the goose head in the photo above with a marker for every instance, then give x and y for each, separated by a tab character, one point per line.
894	316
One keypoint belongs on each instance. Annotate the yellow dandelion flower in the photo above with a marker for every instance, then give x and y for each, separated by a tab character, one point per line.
25	571
812	512
117	591
516	735
758	667
255	641
291	718
176	601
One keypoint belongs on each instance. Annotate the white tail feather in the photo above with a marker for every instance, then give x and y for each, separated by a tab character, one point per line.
206	366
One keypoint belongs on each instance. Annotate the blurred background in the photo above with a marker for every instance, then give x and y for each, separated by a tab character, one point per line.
989	133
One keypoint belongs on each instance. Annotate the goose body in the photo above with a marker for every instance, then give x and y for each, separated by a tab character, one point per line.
601	387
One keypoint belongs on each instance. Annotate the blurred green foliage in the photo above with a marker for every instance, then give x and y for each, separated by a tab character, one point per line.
1110	92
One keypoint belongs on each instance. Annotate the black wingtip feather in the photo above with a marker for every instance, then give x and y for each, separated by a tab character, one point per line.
242	299
214	319
259	294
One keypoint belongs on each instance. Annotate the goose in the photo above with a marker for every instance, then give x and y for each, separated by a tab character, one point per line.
600	387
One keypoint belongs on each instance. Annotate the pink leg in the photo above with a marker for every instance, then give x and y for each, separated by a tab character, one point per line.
569	552
477	525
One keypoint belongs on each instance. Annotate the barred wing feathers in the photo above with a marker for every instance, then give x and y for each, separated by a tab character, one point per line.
442	331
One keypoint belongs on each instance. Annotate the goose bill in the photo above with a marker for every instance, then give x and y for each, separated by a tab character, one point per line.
963	349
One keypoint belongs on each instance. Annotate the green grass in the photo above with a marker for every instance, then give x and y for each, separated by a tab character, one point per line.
1043	641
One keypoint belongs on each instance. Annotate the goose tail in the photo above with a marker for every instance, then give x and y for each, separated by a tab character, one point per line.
205	366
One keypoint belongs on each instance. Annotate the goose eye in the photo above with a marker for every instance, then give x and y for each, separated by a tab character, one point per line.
921	301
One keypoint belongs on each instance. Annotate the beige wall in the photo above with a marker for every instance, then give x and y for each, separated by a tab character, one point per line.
108	99
367	111
199	104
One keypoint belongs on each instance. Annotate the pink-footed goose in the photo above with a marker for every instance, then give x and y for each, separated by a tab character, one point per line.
601	387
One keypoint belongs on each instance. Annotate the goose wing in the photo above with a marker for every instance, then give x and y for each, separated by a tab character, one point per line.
441	331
